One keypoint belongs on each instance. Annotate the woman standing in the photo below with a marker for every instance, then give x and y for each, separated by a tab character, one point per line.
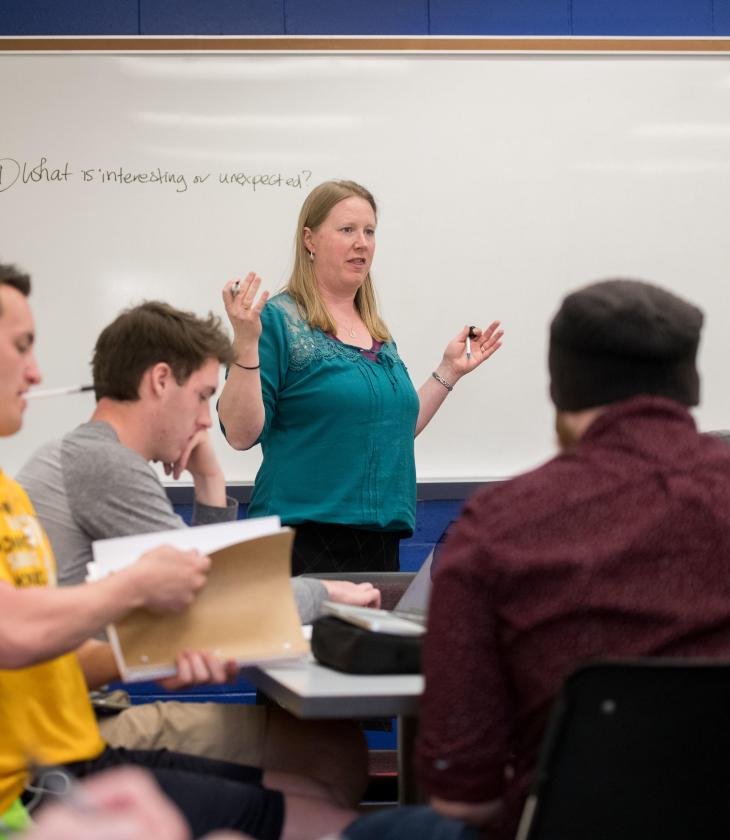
319	383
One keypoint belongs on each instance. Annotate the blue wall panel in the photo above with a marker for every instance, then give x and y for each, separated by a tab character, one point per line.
642	17
377	17
212	17
500	17
69	17
721	18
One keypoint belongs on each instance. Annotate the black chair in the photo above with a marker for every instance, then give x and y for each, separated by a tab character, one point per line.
636	750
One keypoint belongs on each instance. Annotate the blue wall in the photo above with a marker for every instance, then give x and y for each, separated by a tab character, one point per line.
376	17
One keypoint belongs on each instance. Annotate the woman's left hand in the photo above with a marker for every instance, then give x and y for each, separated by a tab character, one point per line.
483	344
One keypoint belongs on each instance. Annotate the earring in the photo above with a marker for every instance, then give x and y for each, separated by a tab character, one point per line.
311	256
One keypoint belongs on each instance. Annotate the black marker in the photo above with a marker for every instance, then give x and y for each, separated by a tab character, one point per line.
472	334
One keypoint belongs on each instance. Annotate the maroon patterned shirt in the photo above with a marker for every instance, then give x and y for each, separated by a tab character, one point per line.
618	548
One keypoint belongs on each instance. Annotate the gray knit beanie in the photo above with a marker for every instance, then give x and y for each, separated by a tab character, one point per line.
620	338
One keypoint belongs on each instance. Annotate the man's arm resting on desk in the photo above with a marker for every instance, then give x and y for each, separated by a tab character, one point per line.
311	593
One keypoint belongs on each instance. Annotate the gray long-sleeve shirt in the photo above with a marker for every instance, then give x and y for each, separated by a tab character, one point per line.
89	486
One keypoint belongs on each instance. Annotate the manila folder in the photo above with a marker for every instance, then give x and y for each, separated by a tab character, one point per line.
246	612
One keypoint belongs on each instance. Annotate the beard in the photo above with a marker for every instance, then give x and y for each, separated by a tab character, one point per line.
567	438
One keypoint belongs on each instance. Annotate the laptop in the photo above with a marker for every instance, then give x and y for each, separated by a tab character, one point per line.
408	618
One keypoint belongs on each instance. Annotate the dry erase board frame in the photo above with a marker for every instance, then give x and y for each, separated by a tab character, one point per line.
508	171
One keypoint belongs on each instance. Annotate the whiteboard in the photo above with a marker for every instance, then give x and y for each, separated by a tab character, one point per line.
503	181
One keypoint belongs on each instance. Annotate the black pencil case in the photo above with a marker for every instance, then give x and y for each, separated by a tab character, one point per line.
357	650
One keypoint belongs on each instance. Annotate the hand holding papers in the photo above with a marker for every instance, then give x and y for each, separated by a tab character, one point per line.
245	612
169	578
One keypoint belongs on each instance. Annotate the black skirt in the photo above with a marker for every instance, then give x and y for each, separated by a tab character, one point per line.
321	548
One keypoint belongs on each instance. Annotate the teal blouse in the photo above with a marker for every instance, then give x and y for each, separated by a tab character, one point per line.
338	436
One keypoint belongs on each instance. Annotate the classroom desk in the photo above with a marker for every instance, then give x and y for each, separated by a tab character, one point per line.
309	690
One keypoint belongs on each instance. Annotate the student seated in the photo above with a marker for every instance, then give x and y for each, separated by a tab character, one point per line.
617	547
155	370
46	715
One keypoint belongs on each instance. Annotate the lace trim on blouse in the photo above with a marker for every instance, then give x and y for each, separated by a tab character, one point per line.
307	345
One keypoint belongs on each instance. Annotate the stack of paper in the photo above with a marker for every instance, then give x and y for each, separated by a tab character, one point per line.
245	612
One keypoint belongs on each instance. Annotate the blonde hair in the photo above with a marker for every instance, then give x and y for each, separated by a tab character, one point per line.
302	285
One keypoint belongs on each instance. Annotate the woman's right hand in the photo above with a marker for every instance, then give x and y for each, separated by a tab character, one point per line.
244	310
241	405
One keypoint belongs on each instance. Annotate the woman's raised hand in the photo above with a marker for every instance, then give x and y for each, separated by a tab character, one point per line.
483	344
243	308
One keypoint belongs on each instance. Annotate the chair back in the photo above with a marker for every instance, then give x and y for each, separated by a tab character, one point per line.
635	750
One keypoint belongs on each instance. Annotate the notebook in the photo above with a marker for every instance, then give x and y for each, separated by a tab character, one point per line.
245	612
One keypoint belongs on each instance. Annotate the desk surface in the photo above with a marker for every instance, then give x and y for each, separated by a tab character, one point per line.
309	690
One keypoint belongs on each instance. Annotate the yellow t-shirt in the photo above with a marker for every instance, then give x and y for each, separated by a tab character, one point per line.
45	714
